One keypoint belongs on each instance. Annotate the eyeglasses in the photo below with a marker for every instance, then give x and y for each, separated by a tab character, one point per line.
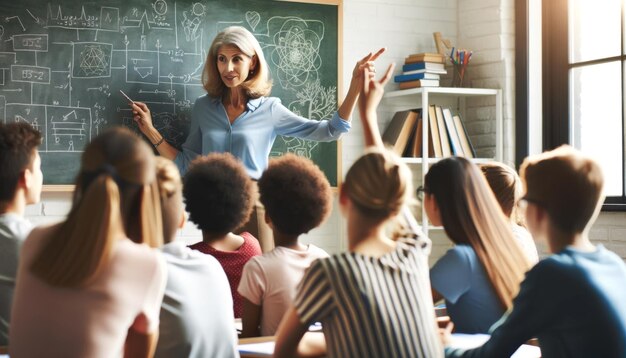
420	192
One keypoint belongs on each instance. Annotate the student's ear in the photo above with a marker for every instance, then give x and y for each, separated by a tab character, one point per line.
183	219
268	220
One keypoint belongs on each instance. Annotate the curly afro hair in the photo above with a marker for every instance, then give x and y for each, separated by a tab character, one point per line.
296	194
219	194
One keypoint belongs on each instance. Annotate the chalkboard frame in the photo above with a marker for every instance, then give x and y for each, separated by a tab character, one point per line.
52	188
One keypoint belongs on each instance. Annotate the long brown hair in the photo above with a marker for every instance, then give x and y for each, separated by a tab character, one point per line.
471	215
115	181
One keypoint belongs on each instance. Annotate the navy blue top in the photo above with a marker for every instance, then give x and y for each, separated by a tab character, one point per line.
574	302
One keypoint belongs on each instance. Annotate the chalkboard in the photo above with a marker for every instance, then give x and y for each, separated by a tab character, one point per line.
63	63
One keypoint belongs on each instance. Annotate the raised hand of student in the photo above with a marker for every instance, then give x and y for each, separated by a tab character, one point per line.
372	92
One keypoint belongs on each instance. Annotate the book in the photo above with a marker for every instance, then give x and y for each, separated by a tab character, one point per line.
423	66
399	130
425	70
419	83
434	132
468	148
425	57
416	150
455	141
446	150
416	76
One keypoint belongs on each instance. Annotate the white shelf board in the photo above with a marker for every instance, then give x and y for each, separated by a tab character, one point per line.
459	91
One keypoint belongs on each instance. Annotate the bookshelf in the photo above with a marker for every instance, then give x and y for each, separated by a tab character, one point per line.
451	96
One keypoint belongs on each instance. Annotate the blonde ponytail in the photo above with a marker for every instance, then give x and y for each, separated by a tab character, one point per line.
80	249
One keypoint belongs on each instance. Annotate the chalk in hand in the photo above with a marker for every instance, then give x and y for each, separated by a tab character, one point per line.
124	94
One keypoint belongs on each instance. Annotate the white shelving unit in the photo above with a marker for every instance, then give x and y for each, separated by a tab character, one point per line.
422	97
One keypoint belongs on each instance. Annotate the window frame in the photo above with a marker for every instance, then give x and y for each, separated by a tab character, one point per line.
555	83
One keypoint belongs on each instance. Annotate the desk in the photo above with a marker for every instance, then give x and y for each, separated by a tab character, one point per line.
260	347
311	343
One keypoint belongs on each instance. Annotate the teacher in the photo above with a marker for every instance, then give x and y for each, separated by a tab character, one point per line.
236	116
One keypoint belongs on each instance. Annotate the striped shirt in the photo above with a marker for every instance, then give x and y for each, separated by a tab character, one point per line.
373	307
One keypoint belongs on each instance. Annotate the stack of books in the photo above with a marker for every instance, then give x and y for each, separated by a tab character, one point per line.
446	134
421	70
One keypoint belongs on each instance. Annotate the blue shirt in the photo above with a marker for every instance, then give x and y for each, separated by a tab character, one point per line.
471	301
573	302
251	136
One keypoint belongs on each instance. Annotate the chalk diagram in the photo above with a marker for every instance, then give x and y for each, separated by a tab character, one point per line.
62	66
293	50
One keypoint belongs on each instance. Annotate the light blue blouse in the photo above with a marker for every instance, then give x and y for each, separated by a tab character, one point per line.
251	136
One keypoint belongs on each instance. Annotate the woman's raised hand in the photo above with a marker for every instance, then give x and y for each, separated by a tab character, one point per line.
366	62
142	116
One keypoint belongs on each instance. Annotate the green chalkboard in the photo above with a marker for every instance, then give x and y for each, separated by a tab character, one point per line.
63	63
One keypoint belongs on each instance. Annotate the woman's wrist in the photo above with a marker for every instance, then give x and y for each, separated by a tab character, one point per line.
154	136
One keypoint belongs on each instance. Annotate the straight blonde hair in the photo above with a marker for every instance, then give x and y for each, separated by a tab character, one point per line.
113	189
471	215
257	84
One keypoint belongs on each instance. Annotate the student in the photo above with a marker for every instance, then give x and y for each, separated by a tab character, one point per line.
219	197
297	198
374	300
480	275
507	187
20	185
197	311
574	301
83	288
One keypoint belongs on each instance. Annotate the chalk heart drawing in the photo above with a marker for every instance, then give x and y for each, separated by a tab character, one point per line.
253	18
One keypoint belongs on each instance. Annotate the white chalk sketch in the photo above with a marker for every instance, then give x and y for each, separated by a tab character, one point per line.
298	146
253	18
94	60
315	102
295	49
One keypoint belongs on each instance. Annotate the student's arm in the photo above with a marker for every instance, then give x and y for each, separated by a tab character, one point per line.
290	342
367	62
252	290
372	92
140	344
251	319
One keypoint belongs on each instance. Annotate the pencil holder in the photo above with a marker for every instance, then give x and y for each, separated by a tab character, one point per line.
458	74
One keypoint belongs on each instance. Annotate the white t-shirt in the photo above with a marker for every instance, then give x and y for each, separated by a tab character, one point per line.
197	311
13	231
270	281
526	241
91	321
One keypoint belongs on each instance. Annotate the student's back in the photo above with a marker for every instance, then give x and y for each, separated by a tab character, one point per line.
91	321
372	306
297	198
197	312
20	184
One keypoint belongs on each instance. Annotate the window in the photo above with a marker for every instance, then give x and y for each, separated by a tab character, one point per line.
583	84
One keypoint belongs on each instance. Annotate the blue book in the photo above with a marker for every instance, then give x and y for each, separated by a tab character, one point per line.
416	76
422	66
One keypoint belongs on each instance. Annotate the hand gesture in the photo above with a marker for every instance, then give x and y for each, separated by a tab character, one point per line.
142	116
366	62
372	91
445	334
